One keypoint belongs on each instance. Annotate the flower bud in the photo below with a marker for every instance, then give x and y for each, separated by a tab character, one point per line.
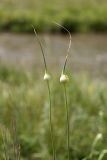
46	77
99	136
64	78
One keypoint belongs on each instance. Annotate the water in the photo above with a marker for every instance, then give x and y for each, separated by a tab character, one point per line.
88	53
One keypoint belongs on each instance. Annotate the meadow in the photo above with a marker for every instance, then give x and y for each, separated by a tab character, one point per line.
76	15
24	98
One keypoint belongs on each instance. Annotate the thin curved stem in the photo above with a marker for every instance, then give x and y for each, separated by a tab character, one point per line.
50	121
39	42
49	92
69	46
67	121
65	94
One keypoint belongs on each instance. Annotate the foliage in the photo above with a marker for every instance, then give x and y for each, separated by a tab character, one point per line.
24	96
76	15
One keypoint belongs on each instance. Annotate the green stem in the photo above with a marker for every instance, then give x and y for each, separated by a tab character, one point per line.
39	42
69	46
50	121
50	108
67	122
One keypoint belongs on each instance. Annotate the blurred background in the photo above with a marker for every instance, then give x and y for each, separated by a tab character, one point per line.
23	94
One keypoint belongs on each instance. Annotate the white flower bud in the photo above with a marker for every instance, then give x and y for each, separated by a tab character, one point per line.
99	136
46	77
64	78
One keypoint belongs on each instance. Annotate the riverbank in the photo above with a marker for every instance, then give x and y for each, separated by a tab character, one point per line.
77	16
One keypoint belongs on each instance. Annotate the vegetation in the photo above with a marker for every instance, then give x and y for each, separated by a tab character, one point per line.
76	15
35	125
24	97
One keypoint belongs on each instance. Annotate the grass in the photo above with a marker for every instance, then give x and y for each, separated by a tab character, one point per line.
77	16
24	95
